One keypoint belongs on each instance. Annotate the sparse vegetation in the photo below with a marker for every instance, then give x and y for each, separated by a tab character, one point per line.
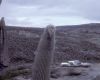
69	41
79	42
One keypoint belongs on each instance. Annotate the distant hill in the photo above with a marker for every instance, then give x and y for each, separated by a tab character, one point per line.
72	42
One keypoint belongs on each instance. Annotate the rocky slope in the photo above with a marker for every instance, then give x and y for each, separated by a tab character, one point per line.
72	42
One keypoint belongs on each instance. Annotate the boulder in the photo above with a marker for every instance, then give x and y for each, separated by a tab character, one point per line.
97	77
66	71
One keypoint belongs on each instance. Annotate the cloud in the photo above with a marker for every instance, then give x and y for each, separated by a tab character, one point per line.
88	9
42	12
41	21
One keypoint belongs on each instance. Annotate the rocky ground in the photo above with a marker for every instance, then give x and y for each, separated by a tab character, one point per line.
81	42
57	73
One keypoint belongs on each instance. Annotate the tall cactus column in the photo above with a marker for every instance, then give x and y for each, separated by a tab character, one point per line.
4	43
44	54
0	2
1	38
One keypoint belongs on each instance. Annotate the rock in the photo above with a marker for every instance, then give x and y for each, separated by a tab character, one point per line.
66	71
97	77
65	64
74	71
20	78
55	76
70	71
55	73
85	64
75	62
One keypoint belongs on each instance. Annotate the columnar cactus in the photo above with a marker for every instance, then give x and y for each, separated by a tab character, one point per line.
2	24
3	44
0	2
44	54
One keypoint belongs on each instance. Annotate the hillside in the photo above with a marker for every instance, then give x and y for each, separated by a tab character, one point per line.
72	42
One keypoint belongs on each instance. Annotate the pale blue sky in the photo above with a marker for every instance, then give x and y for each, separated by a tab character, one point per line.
39	13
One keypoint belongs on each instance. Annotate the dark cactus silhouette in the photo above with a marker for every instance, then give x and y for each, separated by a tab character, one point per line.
0	2
44	55
2	24
4	58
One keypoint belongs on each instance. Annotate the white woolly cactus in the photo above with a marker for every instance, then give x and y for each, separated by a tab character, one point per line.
44	54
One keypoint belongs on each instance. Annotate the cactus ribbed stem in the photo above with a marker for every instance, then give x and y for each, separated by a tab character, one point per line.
0	2
44	54
3	44
1	36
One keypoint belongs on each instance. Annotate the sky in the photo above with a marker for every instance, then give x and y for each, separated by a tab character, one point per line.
39	13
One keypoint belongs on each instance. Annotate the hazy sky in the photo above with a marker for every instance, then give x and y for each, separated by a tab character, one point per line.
43	12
